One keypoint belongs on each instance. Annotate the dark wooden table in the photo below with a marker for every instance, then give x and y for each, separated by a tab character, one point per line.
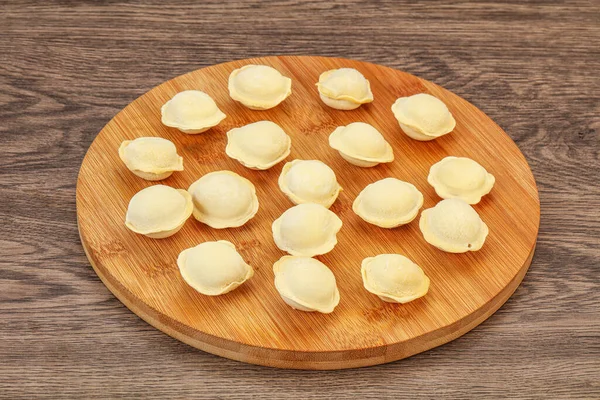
67	67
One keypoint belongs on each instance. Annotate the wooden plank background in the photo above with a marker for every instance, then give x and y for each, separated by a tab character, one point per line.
68	66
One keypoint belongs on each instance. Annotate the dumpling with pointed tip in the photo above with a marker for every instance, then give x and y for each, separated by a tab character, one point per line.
259	145
191	111
259	87
150	158
423	117
309	181
453	226
306	284
461	178
361	144
344	89
213	268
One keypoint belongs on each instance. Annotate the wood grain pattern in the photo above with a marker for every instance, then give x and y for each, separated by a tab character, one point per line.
69	66
252	323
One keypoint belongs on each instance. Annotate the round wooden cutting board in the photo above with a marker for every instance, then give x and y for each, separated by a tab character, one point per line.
252	323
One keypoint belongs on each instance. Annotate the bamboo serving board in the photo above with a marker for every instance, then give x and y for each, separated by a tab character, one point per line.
252	323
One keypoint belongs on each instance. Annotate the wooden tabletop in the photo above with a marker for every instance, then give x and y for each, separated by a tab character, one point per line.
67	67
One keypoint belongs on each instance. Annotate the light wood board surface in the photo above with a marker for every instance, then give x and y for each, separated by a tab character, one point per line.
252	323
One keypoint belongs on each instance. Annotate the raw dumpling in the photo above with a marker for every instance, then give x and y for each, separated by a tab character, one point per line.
394	278
307	230
259	145
344	89
306	284
309	181
423	117
151	158
461	178
191	111
259	87
361	144
158	211
223	199
388	203
453	226
213	268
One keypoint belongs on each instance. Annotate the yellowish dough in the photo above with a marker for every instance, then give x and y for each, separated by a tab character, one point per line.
213	268
394	278
158	211
361	144
191	111
423	116
307	230
453	226
259	145
259	87
223	199
388	203
309	181
306	284
461	178
151	158
344	89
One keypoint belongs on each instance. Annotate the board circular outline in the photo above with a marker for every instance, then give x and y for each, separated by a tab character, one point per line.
98	253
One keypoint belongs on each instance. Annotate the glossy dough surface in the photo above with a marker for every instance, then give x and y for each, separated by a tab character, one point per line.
394	278
151	158
462	178
344	88
309	181
361	144
191	111
306	284
259	145
307	229
259	87
223	199
423	117
453	226
213	268
158	211
388	203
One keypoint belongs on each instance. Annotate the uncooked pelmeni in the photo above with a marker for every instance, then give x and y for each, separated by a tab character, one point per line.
213	268
151	158
394	278
307	229
344	89
423	116
223	199
158	211
259	145
191	111
388	203
306	284
259	87
309	181
453	226
461	178
361	144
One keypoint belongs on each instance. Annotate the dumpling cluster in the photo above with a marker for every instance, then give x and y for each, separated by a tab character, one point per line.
213	268
423	116
307	230
309	181
158	211
259	87
306	284
191	111
259	145
394	278
151	158
461	178
388	203
223	199
453	226
361	144
344	89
